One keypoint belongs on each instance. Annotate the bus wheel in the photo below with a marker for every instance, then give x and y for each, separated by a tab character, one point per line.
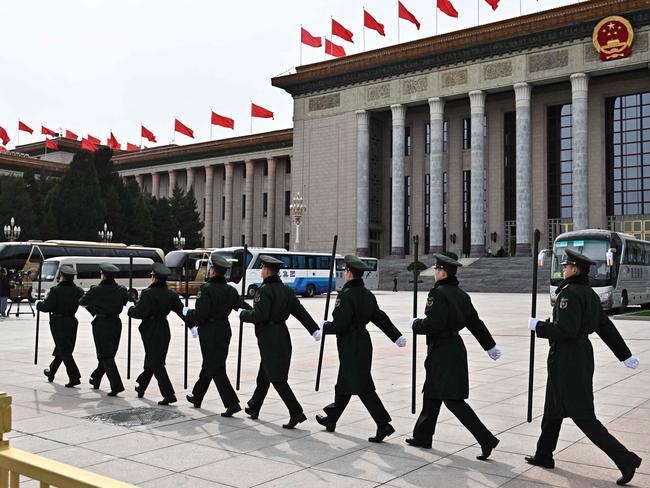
624	303
251	291
30	295
310	291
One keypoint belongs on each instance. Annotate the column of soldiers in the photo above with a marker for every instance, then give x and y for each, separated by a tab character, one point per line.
569	391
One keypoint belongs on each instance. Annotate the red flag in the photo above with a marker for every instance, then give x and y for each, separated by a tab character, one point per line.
24	127
112	142
406	15
3	150
132	147
147	134
50	144
71	135
340	31
370	22
493	3
47	132
183	129
307	38
88	145
446	7
226	122
94	140
333	49
4	137
261	112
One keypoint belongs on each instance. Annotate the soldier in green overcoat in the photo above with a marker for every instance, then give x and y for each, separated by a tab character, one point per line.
355	307
62	303
214	303
273	304
569	387
449	310
105	302
155	303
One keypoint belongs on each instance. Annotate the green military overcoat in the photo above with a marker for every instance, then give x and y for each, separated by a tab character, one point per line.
62	303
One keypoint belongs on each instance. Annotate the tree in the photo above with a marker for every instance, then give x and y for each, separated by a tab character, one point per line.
138	209
186	217
15	202
163	225
112	193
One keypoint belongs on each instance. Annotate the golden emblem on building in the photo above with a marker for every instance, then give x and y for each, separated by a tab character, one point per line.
613	38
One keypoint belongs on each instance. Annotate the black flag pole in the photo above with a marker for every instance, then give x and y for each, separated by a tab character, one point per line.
128	349
187	304
327	309
533	313
241	322
416	245
38	313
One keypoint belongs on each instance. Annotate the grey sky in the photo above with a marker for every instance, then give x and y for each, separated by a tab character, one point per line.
92	66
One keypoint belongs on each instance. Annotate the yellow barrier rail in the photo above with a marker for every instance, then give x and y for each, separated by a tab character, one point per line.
15	463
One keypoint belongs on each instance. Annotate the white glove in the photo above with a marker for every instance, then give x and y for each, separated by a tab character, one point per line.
532	323
194	331
494	353
129	305
317	335
321	324
411	322
185	310
632	362
401	341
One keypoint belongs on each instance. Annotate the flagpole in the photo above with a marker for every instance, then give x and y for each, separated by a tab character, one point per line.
300	45
210	126
437	20
251	117
174	133
18	135
398	39
478	13
364	28
140	136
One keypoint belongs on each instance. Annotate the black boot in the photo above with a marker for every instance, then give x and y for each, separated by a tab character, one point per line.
628	471
73	383
325	422
196	403
230	411
94	384
382	432
544	462
113	393
417	443
139	390
252	413
294	420
50	377
486	449
168	400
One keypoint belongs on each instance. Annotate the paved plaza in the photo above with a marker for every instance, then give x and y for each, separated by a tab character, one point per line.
199	448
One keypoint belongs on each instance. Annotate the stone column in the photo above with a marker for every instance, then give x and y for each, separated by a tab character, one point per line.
477	105
270	191
155	184
523	167
248	221
189	182
139	179
172	182
436	224
397	226
580	142
363	182
209	204
227	225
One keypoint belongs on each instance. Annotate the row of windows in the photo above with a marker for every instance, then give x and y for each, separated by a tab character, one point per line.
265	205
287	169
299	261
637	253
91	271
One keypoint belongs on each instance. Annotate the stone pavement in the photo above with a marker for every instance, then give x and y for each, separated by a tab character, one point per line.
201	449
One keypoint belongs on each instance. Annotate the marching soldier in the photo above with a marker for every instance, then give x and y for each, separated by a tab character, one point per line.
354	308
156	302
569	387
105	302
274	302
448	310
62	303
214	302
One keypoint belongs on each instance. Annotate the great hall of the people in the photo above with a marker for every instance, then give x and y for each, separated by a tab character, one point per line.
470	140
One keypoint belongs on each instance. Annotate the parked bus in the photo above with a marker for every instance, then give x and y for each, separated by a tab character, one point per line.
22	259
370	277
195	261
621	275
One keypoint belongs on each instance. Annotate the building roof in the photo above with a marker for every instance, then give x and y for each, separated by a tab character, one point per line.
265	141
65	145
10	161
517	34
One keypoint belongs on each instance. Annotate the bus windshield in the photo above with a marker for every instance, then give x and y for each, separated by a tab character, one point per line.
49	271
595	249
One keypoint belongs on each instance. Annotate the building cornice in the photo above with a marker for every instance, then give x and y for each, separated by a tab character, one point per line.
11	162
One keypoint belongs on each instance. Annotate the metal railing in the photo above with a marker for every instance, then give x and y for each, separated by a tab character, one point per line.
636	226
557	227
15	464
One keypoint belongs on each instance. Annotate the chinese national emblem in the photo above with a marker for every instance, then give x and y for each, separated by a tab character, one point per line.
613	38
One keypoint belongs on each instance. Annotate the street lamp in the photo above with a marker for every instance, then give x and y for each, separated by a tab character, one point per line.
297	209
105	235
12	231
179	241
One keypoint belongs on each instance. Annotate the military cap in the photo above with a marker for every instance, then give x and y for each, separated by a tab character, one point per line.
220	262
574	257
160	270
109	269
442	262
270	261
354	263
67	270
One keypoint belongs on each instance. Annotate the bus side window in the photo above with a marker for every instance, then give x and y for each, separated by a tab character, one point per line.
140	271
87	271
78	251
103	252
299	262
323	262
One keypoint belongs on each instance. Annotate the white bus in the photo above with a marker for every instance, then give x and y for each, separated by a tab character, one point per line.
88	271
621	276
370	277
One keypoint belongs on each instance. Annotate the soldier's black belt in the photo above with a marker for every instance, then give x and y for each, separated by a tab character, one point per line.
446	334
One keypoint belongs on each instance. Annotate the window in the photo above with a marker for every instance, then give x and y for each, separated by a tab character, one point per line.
223	241
560	174
266	167
467	211
322	262
287	167
223	208
243	206
287	203
407	141
287	238
87	271
509	166
407	214
299	262
445	135
467	133
427	212
444	210
264	240
427	138
243	239
265	203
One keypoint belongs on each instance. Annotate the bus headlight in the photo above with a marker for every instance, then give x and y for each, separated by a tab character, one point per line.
605	296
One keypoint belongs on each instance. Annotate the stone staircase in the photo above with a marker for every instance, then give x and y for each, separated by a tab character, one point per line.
491	275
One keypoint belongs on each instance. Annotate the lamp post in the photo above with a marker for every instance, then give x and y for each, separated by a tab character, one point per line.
12	231
105	235
179	241
297	209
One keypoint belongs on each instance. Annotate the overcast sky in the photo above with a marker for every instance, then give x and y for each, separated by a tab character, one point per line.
92	66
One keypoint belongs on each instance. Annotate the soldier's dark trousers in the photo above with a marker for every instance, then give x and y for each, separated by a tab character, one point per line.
160	372
107	366
221	381
283	389
70	365
370	400
425	426
594	430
